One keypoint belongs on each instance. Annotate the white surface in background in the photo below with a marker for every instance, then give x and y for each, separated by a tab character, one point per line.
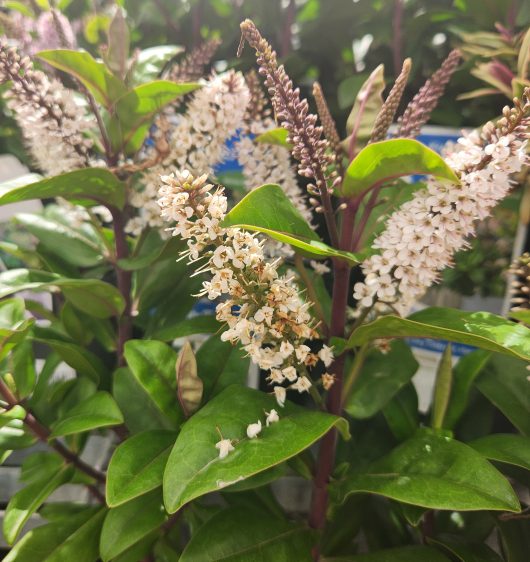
10	169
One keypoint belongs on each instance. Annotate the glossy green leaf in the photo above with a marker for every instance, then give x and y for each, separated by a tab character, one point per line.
381	162
402	554
13	436
73	538
268	210
401	413
465	372
442	388
13	325
153	365
189	384
381	377
481	329
277	136
27	500
435	472
221	364
134	112
238	535
103	85
97	184
203	324
92	296
97	411
507	448
515	539
22	368
232	411
15	413
464	550
137	465
126	525
504	382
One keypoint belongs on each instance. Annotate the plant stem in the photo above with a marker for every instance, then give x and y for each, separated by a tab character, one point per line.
124	279
43	434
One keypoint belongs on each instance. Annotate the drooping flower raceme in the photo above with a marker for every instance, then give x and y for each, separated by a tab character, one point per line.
197	140
52	123
261	309
421	237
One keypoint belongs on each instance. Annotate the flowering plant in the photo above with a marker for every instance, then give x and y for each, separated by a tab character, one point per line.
197	458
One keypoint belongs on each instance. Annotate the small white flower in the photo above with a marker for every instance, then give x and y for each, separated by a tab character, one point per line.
272	417
290	373
326	355
224	446
254	429
303	384
280	393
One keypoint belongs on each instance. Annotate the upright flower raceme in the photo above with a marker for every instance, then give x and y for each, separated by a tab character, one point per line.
52	123
421	237
197	140
261	309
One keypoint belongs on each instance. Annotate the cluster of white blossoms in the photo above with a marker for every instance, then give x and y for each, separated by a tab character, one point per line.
52	122
196	140
262	309
226	446
421	237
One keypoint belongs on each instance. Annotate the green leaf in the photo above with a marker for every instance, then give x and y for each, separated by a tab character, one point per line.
137	465
465	372
238	535
277	136
134	112
117	52
232	411
189	384
464	550
14	436
203	324
504	382
515	539
23	369
402	554
27	500
220	364
481	329
153	365
506	448
267	209
435	472
73	538
95	76
150	62
13	325
521	315
442	388
89	183
92	296
129	523
15	413
401	413
99	410
381	377
381	162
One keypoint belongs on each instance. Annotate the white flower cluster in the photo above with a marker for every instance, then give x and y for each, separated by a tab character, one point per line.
197	140
52	123
226	446
421	237
262	309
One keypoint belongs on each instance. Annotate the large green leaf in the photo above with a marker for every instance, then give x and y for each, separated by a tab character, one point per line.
506	448
126	525
267	209
203	324
401	413
402	554
137	465
73	538
95	76
92	296
504	382
481	329
27	500
381	377
89	183
237	535
464	550
134	112
99	410
381	162
232	411
153	365
515	539
13	325
435	472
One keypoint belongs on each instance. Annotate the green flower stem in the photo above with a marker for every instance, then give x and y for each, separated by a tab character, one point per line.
352	376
